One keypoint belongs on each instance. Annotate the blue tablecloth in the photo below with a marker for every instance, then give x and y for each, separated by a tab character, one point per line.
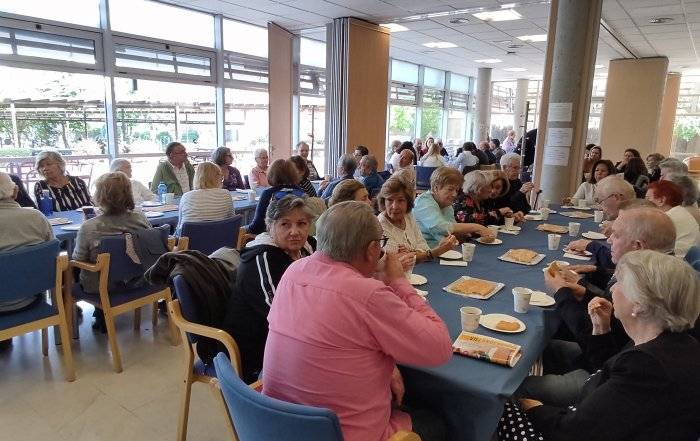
470	393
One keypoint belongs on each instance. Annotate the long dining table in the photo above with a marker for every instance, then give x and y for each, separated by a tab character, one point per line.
469	393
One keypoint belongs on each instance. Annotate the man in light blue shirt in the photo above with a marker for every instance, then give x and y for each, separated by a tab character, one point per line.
369	176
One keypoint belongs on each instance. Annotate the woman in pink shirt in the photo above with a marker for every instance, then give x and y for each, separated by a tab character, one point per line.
258	175
336	332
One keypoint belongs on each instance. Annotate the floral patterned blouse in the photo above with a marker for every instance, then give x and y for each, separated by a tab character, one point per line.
468	211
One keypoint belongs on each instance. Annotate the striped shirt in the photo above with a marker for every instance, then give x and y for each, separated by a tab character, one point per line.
210	204
308	188
71	196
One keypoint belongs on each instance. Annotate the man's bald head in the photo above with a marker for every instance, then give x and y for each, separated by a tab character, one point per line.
612	191
638	228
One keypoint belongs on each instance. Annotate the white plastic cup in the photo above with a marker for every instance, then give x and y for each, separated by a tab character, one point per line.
582	203
251	195
553	241
545	213
494	229
545	203
574	228
521	299
469	316
468	251
169	198
598	216
509	221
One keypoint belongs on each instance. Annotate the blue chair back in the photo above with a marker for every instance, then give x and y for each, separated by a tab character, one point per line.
208	237
693	257
423	177
385	174
257	417
188	306
121	267
28	270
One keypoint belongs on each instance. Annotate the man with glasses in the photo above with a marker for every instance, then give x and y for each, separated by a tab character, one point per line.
175	172
516	198
610	193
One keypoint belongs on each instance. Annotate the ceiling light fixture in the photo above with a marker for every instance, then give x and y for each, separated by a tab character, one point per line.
439	44
660	20
533	38
489	61
394	27
503	41
515	69
456	12
502	15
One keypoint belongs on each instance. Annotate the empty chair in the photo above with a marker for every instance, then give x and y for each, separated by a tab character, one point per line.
423	177
28	271
208	237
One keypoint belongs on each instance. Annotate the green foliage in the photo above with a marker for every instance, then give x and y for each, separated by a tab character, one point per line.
5	153
190	135
401	122
164	138
431	121
686	130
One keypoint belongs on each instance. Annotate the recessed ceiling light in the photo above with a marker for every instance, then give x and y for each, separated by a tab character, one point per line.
503	41
394	27
660	20
599	66
460	20
439	44
533	38
515	69
502	15
429	51
489	61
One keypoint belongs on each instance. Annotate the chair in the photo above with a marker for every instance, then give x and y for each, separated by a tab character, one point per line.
208	237
183	314
385	174
423	177
693	257
257	417
113	265
247	181
27	271
243	238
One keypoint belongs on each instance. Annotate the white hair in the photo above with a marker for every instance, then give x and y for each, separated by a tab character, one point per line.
51	155
259	151
345	229
7	187
614	184
474	181
118	164
510	159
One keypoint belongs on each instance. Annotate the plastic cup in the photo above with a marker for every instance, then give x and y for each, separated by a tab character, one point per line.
509	221
545	203
468	251
494	230
169	198
553	241
470	317
251	195
545	213
521	299
598	216
582	203
574	228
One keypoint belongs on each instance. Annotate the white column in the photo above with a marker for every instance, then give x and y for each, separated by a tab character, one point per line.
483	104
520	107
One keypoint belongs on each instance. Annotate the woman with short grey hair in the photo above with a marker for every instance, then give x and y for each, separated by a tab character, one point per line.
263	262
470	204
68	192
223	157
258	175
140	192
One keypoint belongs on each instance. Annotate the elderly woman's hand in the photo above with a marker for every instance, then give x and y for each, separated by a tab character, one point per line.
606	228
505	211
447	243
600	310
486	234
519	216
408	260
527	187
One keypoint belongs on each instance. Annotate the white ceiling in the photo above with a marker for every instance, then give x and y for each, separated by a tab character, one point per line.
477	39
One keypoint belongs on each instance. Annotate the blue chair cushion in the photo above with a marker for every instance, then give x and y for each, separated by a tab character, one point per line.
116	297
36	311
200	368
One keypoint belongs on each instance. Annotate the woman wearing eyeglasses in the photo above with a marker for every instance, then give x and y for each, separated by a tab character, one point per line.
223	157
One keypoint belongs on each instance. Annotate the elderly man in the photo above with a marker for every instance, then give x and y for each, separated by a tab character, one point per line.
610	193
346	170
634	229
485	146
175	172
303	151
395	144
516	197
670	167
509	144
418	146
336	332
369	176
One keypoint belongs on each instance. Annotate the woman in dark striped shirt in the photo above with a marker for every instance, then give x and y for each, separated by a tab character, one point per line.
303	169
68	192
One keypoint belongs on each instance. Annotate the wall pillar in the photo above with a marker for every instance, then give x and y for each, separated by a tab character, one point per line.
483	104
283	56
520	107
668	114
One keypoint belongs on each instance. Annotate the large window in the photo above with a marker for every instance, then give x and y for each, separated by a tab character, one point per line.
686	131
246	122
312	100
80	12
245	39
402	123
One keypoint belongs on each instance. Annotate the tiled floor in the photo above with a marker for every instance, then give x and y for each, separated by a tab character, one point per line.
141	403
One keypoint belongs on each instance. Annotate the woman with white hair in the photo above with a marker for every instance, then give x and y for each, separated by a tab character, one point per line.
258	175
651	389
470	205
208	201
68	192
140	192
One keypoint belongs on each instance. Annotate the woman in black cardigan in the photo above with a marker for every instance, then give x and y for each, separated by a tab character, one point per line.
651	389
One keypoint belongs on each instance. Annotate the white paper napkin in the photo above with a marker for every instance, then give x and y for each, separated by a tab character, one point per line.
576	257
453	262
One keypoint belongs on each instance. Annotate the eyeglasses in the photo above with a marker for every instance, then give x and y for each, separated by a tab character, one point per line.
600	201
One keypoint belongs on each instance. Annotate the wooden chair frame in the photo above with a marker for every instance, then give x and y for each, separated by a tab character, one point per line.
189	377
243	238
101	266
58	320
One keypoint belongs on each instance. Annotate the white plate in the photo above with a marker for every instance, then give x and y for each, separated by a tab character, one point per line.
594	235
498	287
559	262
417	279
533	217
451	254
537	260
59	221
576	253
502	228
489	321
541	299
496	241
71	227
151	204
151	214
421	293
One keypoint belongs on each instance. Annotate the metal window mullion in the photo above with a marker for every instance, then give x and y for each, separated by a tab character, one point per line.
419	101
219	67
108	63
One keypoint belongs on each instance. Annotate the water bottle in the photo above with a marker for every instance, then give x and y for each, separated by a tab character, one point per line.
162	190
46	203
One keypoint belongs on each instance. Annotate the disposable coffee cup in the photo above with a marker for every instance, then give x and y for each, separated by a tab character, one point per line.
545	213
470	317
553	241
582	203
521	299
169	198
598	216
468	251
574	228
494	230
509	221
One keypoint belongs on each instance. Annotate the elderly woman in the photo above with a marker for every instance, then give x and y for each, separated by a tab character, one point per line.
223	157
434	213
113	196
302	167
516	198
471	204
263	262
303	151
258	175
651	389
346	170
668	196
586	190
175	172
350	190
670	167
652	162
369	175
284	179
690	194
139	191
432	157
208	201
68	192
399	225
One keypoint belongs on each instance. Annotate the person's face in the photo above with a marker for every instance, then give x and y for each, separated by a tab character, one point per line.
361	195
446	195
405	159
664	174
357	155
261	160
429	142
622	306
395	146
594	154
484	192
620	240
651	162
512	171
291	230
178	156
496	188
484	146
492	145
50	169
228	158
304	151
628	156
365	169
396	206
418	144
511	135
126	169
610	204
651	197
600	172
